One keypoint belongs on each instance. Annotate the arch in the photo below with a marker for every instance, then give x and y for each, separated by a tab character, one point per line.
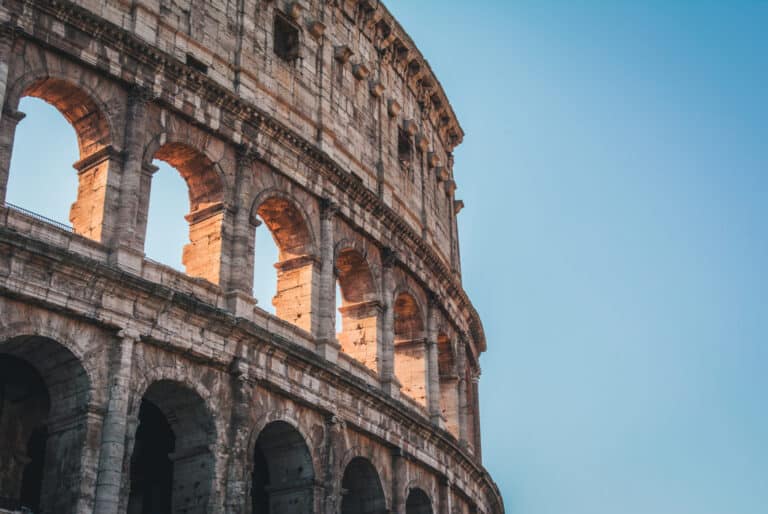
410	346
172	467
359	306
88	116
298	269
283	473
362	492
206	188
44	395
418	502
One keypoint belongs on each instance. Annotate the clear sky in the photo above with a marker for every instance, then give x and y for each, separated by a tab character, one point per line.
615	173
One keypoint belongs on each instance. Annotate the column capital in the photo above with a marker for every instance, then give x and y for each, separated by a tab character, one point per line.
129	333
140	95
388	257
328	208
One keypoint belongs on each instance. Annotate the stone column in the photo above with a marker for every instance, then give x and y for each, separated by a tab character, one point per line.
8	123
398	482
433	368
446	495
389	383
109	480
240	274
461	363
237	494
7	37
327	346
476	412
127	248
334	452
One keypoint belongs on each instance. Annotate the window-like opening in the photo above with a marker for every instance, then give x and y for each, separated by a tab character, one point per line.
172	461
418	503
38	179
286	41
202	254
197	64
359	309
43	182
362	489
404	148
410	348
297	269
168	233
283	474
266	255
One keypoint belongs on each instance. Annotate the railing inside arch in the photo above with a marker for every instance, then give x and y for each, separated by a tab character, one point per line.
39	217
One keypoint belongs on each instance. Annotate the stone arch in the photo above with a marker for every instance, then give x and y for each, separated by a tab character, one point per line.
418	502
46	394
283	470
207	190
90	118
362	490
298	267
172	462
360	306
410	345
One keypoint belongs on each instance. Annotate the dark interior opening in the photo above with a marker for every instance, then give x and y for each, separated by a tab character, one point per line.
151	466
286	39
404	148
259	483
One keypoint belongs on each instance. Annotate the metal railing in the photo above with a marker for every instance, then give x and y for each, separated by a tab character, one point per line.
39	217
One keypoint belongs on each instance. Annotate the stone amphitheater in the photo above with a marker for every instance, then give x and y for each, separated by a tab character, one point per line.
129	387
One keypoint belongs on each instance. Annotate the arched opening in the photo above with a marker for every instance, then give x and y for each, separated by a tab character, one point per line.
359	309
418	503
43	394
266	254
283	478
449	384
168	233
202	254
361	489
43	182
172	465
297	269
410	348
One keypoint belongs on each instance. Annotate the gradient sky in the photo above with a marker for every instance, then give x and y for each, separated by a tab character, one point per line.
615	173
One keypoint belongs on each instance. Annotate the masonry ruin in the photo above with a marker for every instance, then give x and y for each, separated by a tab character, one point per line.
129	387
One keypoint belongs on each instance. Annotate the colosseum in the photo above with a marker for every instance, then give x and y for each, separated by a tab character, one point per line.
127	386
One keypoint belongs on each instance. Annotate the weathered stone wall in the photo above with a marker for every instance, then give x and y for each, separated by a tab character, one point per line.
308	149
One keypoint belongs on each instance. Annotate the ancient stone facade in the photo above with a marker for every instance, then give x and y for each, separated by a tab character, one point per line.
129	387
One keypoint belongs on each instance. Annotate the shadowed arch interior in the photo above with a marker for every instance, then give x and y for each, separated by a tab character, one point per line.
359	309
283	476
44	392
410	348
361	489
172	466
418	503
202	256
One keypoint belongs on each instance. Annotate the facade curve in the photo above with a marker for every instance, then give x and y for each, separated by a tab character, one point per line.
130	387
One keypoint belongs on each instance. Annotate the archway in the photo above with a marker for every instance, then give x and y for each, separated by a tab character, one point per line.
202	255
361	489
88	185
172	465
418	503
410	348
44	391
359	309
283	478
297	269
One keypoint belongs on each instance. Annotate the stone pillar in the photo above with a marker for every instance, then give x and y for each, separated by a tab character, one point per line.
127	247
240	266
7	37
237	495
389	383
334	452
446	497
461	362
113	435
433	369
8	123
475	394
327	345
398	482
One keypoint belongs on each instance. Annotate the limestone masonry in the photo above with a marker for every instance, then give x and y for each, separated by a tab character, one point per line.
129	387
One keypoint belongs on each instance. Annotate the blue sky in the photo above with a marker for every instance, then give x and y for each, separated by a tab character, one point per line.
616	179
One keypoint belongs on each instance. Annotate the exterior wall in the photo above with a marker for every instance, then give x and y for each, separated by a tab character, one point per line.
310	148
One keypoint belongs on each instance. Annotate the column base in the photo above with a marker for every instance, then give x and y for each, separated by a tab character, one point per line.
328	349
392	388
240	303
127	259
